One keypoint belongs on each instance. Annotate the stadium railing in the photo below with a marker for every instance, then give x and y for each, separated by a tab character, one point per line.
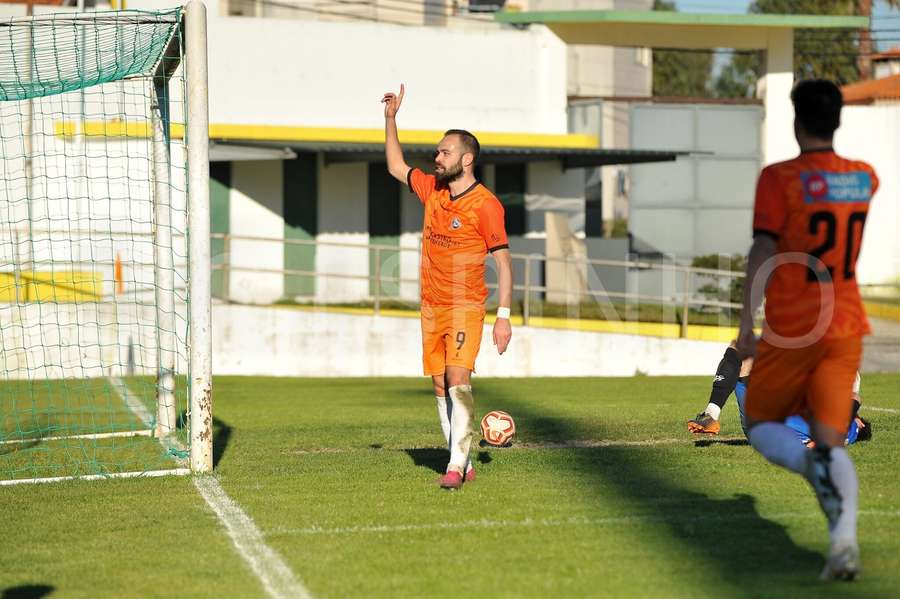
31	278
683	296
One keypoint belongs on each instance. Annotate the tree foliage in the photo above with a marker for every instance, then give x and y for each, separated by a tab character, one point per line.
723	289
680	73
829	54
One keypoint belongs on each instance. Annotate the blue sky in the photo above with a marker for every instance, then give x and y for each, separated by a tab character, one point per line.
883	18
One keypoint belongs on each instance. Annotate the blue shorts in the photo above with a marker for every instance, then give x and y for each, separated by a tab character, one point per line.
797	423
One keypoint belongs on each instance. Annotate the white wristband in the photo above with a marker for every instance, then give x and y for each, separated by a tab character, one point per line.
503	312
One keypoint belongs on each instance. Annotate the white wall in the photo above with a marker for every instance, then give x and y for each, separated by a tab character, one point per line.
307	73
285	342
701	203
872	133
343	218
409	266
256	209
551	189
90	201
77	341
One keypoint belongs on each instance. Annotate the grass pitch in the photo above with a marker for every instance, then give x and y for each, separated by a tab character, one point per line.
46	428
605	494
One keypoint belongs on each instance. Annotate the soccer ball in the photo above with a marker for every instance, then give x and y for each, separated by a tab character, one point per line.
498	428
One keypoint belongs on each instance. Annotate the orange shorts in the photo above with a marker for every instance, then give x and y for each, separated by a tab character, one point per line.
814	381
451	336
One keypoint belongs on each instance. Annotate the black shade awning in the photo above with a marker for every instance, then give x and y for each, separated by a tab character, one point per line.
570	157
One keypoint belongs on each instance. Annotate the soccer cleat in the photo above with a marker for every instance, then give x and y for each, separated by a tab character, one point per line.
703	424
818	473
452	480
470	475
842	564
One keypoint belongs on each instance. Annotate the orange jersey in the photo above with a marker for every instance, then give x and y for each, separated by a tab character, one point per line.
815	206
457	234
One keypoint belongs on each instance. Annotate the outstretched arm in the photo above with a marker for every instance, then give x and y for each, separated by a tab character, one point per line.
393	152
502	327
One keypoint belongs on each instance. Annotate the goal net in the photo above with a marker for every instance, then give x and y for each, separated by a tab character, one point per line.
104	245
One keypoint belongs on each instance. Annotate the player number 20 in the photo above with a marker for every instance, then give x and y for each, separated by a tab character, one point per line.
828	221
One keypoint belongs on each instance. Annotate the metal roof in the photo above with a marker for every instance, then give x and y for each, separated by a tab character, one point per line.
570	157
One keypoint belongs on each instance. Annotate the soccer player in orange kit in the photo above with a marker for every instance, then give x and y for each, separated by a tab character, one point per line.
807	230
463	223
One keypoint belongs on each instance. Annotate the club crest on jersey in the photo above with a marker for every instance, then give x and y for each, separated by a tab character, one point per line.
455	223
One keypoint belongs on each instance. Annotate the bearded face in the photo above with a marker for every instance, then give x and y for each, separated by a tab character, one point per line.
448	174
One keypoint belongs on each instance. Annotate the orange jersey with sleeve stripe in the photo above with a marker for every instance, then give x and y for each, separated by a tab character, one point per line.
457	234
815	206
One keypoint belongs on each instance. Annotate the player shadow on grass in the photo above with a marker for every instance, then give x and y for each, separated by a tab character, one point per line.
45	427
221	435
436	458
14	447
27	591
711	442
726	536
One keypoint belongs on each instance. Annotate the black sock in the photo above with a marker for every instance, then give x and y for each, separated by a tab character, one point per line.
726	378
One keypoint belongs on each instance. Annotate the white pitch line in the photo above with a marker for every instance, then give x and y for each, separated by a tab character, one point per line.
134	404
874	409
276	577
550	522
53	479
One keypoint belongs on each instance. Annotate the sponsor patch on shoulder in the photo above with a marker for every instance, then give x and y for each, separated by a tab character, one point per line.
822	186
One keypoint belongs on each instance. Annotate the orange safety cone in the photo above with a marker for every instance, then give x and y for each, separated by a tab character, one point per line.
117	275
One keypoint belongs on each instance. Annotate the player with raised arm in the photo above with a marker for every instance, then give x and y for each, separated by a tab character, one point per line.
807	230
463	223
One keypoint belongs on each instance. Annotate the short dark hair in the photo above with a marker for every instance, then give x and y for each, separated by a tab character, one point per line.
817	106
469	142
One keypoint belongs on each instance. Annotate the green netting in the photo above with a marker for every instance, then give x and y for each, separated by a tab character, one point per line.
37	59
93	244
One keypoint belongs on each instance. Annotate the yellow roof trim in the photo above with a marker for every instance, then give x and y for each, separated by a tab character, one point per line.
275	133
409	136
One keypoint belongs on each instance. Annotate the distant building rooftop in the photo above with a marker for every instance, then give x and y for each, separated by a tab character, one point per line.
889	54
886	89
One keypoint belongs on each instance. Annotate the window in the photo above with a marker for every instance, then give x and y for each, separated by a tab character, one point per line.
509	184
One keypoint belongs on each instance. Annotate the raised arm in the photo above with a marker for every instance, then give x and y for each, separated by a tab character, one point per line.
393	152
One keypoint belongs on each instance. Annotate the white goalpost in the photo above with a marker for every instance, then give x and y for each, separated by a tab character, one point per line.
105	350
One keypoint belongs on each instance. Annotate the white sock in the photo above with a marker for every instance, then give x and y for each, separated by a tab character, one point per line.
843	475
443	408
713	410
779	444
462	419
